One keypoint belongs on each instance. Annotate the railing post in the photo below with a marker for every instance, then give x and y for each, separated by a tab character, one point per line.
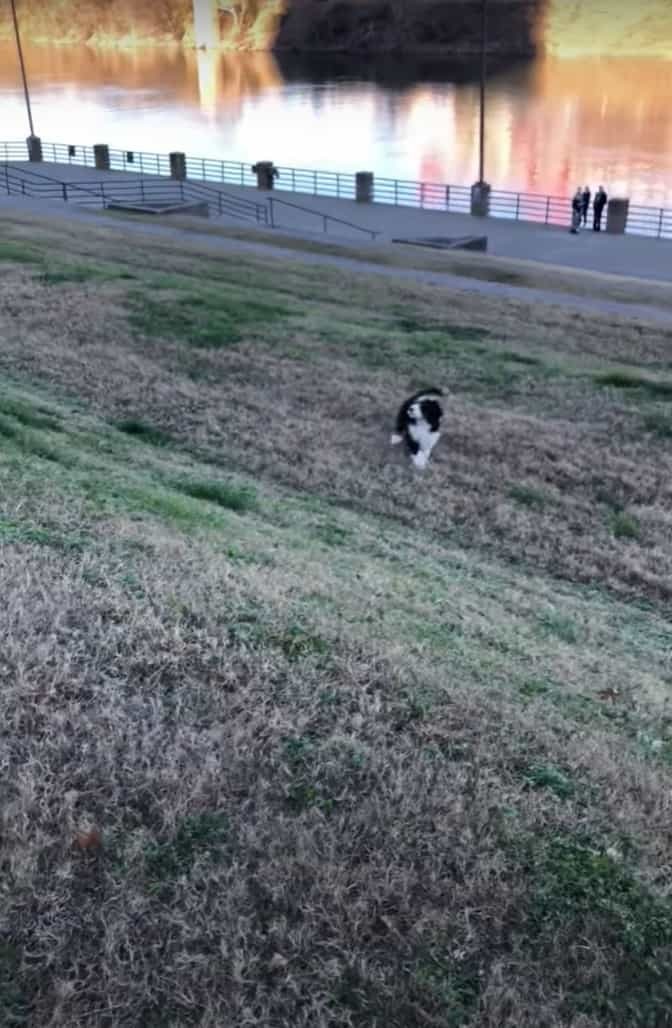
314	183
101	155
34	144
65	192
396	192
548	208
271	208
178	166
293	181
364	187
661	217
517	206
324	224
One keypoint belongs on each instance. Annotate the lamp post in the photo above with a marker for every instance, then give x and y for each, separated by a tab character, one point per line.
23	67
480	191
484	41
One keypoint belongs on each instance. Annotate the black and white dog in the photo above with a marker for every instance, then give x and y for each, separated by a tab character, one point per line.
418	425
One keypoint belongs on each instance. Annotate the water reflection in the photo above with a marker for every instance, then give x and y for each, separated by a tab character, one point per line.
551	123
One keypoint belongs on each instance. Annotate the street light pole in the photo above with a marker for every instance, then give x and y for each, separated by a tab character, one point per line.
484	34
23	66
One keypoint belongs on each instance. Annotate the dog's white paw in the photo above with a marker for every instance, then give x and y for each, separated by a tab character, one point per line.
420	459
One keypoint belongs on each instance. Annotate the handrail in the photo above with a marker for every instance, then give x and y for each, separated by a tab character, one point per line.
34	184
272	200
655	222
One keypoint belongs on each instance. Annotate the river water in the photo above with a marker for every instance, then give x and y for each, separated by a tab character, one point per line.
551	124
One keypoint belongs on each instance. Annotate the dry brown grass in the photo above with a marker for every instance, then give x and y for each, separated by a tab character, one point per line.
271	758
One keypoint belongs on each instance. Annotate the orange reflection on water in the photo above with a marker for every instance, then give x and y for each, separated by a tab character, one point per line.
551	124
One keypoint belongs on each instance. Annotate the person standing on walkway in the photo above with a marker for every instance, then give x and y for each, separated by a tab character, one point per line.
598	206
585	204
577	206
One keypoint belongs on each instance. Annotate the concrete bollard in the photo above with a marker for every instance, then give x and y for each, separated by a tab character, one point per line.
480	200
178	166
101	156
34	148
364	187
266	173
617	215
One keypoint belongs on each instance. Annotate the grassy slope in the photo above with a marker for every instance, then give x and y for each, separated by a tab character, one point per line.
359	753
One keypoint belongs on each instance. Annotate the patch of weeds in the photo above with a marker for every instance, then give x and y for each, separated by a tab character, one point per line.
533	688
580	892
659	423
8	429
633	380
320	776
201	835
625	526
528	496
66	273
168	505
208	320
35	444
237	498
454	990
559	625
14	1010
518	358
332	534
29	416
409	321
18	253
297	643
145	432
298	754
22	532
545	776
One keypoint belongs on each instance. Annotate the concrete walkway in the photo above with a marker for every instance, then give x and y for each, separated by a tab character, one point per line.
223	244
632	256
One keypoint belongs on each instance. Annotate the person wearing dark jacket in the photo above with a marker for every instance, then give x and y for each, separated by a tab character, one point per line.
599	204
576	212
585	204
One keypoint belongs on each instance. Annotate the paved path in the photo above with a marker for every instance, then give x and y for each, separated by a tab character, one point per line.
631	256
220	243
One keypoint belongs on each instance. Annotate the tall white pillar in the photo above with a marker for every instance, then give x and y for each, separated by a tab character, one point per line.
206	23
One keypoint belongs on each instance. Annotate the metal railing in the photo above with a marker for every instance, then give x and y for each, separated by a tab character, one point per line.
26	182
655	222
326	218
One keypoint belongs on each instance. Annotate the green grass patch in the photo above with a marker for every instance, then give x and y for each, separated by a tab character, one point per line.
24	532
29	415
201	836
18	253
634	380
237	498
659	423
528	496
70	273
581	891
545	776
33	442
519	358
332	534
556	623
208	320
625	526
144	432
